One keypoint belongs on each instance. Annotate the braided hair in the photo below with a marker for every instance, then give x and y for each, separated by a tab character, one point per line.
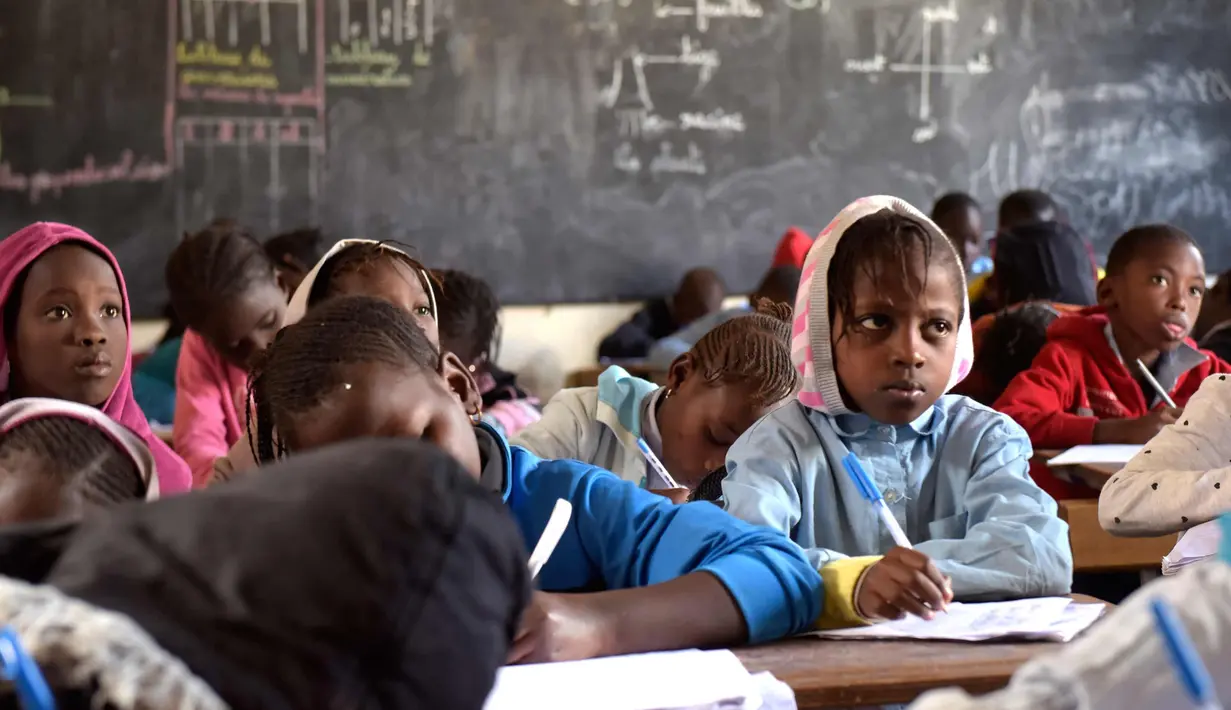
212	266
307	362
298	249
888	248
359	257
469	317
755	348
77	455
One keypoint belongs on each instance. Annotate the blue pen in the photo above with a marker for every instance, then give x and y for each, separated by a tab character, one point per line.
17	667
1184	658
657	465
872	494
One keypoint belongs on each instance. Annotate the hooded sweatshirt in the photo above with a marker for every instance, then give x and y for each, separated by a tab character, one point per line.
239	457
792	249
956	479
409	599
17	253
1079	378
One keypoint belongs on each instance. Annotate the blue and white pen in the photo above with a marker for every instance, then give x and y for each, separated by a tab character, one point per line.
872	494
657	465
1184	658
20	669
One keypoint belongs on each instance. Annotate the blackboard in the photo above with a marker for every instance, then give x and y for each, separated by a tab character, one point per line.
586	150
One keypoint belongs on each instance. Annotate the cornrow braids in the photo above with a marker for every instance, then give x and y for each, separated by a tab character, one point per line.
469	316
78	455
888	248
308	360
358	257
214	265
755	348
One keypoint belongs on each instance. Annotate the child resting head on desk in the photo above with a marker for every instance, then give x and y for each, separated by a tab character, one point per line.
882	331
664	576
66	332
734	375
1085	386
353	267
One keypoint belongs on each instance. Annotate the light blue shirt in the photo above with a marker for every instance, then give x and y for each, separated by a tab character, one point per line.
957	480
665	351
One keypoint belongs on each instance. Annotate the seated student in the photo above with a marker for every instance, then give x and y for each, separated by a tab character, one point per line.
408	594
1213	328
881	332
295	252
1182	477
356	367
734	375
1041	262
232	299
1006	348
1122	662
1017	209
61	459
353	267
469	328
778	286
700	293
66	332
960	217
792	249
154	376
1085	387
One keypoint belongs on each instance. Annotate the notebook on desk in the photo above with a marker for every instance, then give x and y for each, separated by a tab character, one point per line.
1043	619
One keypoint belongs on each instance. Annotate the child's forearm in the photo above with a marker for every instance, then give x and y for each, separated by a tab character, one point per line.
693	611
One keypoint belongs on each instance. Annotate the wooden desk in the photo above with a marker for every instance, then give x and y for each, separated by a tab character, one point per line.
836	674
1093	475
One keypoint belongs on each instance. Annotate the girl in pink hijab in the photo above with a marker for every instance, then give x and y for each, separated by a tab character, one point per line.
66	326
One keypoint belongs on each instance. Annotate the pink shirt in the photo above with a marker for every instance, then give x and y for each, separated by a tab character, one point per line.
209	410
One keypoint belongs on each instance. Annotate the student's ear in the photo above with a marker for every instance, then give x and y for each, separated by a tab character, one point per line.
1106	293
680	370
461	382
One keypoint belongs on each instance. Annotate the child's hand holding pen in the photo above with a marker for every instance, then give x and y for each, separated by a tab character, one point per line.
904	581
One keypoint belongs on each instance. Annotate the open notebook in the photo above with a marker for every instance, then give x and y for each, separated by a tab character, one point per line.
1196	544
1044	619
675	680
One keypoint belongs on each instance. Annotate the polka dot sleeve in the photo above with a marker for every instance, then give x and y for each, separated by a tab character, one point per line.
1182	477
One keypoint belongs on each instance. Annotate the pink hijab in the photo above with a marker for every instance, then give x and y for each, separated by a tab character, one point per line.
17	253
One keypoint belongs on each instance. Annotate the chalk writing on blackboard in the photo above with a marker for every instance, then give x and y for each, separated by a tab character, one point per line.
702	11
42	182
360	64
210	12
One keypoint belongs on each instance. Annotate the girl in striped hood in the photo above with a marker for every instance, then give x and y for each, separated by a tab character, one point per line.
881	333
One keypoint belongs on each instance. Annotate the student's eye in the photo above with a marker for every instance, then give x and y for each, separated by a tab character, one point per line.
1197	291
111	311
941	327
423	311
873	322
1158	280
57	313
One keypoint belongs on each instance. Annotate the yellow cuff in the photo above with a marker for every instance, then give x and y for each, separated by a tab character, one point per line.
841	580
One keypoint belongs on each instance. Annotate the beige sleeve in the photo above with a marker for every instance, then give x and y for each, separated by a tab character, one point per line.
559	434
1182	477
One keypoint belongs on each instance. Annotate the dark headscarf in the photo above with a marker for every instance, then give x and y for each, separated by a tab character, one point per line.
371	574
1044	261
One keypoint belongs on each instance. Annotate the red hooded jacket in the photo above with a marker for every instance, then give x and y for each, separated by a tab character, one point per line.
1078	378
792	249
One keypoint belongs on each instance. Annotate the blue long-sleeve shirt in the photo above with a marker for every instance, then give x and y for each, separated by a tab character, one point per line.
621	536
956	479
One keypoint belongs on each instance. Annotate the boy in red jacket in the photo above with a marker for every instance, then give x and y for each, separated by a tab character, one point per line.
1085	386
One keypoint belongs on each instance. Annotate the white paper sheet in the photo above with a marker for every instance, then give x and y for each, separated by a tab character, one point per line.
1047	619
1116	454
695	680
1196	544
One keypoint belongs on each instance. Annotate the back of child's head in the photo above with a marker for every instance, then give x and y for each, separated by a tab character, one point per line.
890	249
752	349
70	463
953	203
700	293
469	317
1047	261
1134	243
1011	343
779	285
297	250
214	266
358	258
1026	207
309	360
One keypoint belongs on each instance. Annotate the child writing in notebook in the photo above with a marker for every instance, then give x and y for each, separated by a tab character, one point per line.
62	459
1085	386
232	300
470	328
353	267
882	330
661	576
734	375
66	327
